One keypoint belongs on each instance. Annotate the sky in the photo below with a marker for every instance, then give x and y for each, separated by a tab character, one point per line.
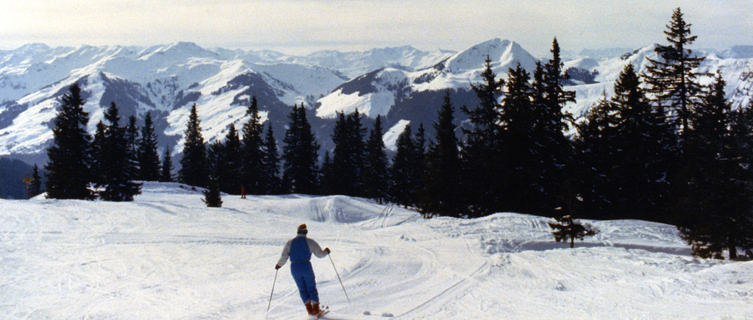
301	27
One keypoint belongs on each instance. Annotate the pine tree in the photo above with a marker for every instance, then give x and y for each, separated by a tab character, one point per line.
193	169
212	196
68	166
132	138
557	187
375	175
147	152
358	150
403	184
481	149
167	167
115	164
349	153
715	209
671	78
217	162
271	163
253	152
598	153
36	184
300	153
642	160
739	162
230	177
565	229
517	121
97	155
442	178
344	179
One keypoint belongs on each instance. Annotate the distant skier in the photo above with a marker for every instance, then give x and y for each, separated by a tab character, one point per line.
299	249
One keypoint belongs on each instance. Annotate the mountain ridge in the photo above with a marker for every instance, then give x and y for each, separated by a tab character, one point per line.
399	83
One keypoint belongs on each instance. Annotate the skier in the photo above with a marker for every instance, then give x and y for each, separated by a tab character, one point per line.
299	249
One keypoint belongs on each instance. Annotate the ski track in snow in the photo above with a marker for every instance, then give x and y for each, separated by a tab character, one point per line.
166	256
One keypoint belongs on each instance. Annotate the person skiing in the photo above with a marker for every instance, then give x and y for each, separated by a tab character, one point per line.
299	250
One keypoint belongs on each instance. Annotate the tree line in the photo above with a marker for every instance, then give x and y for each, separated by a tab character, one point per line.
103	166
663	148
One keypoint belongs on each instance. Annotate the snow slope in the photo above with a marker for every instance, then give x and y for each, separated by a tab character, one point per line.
167	256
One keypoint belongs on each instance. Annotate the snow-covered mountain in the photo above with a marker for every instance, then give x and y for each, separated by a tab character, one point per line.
356	63
403	84
166	80
167	256
733	64
375	93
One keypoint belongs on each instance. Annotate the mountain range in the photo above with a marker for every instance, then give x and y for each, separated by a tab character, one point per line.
405	85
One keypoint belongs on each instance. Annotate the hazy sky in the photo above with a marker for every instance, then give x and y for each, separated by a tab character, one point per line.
298	26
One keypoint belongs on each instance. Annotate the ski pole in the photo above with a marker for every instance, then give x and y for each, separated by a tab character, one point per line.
338	278
271	293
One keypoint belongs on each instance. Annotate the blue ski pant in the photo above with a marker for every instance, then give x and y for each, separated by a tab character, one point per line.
303	275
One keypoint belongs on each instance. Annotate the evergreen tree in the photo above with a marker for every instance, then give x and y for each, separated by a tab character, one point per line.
271	163
231	181
217	161
300	154
517	122
375	175
115	164
557	187
97	155
598	153
403	184
193	169
643	158
212	196
358	147
443	166
166	174
147	152
67	170
714	211
230	175
671	78
481	150
739	161
349	153
565	229
132	138
253	152
36	184
344	179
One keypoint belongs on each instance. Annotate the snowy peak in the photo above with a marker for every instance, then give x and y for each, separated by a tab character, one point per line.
504	54
179	50
377	92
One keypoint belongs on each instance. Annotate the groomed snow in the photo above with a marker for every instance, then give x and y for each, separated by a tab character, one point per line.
167	256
